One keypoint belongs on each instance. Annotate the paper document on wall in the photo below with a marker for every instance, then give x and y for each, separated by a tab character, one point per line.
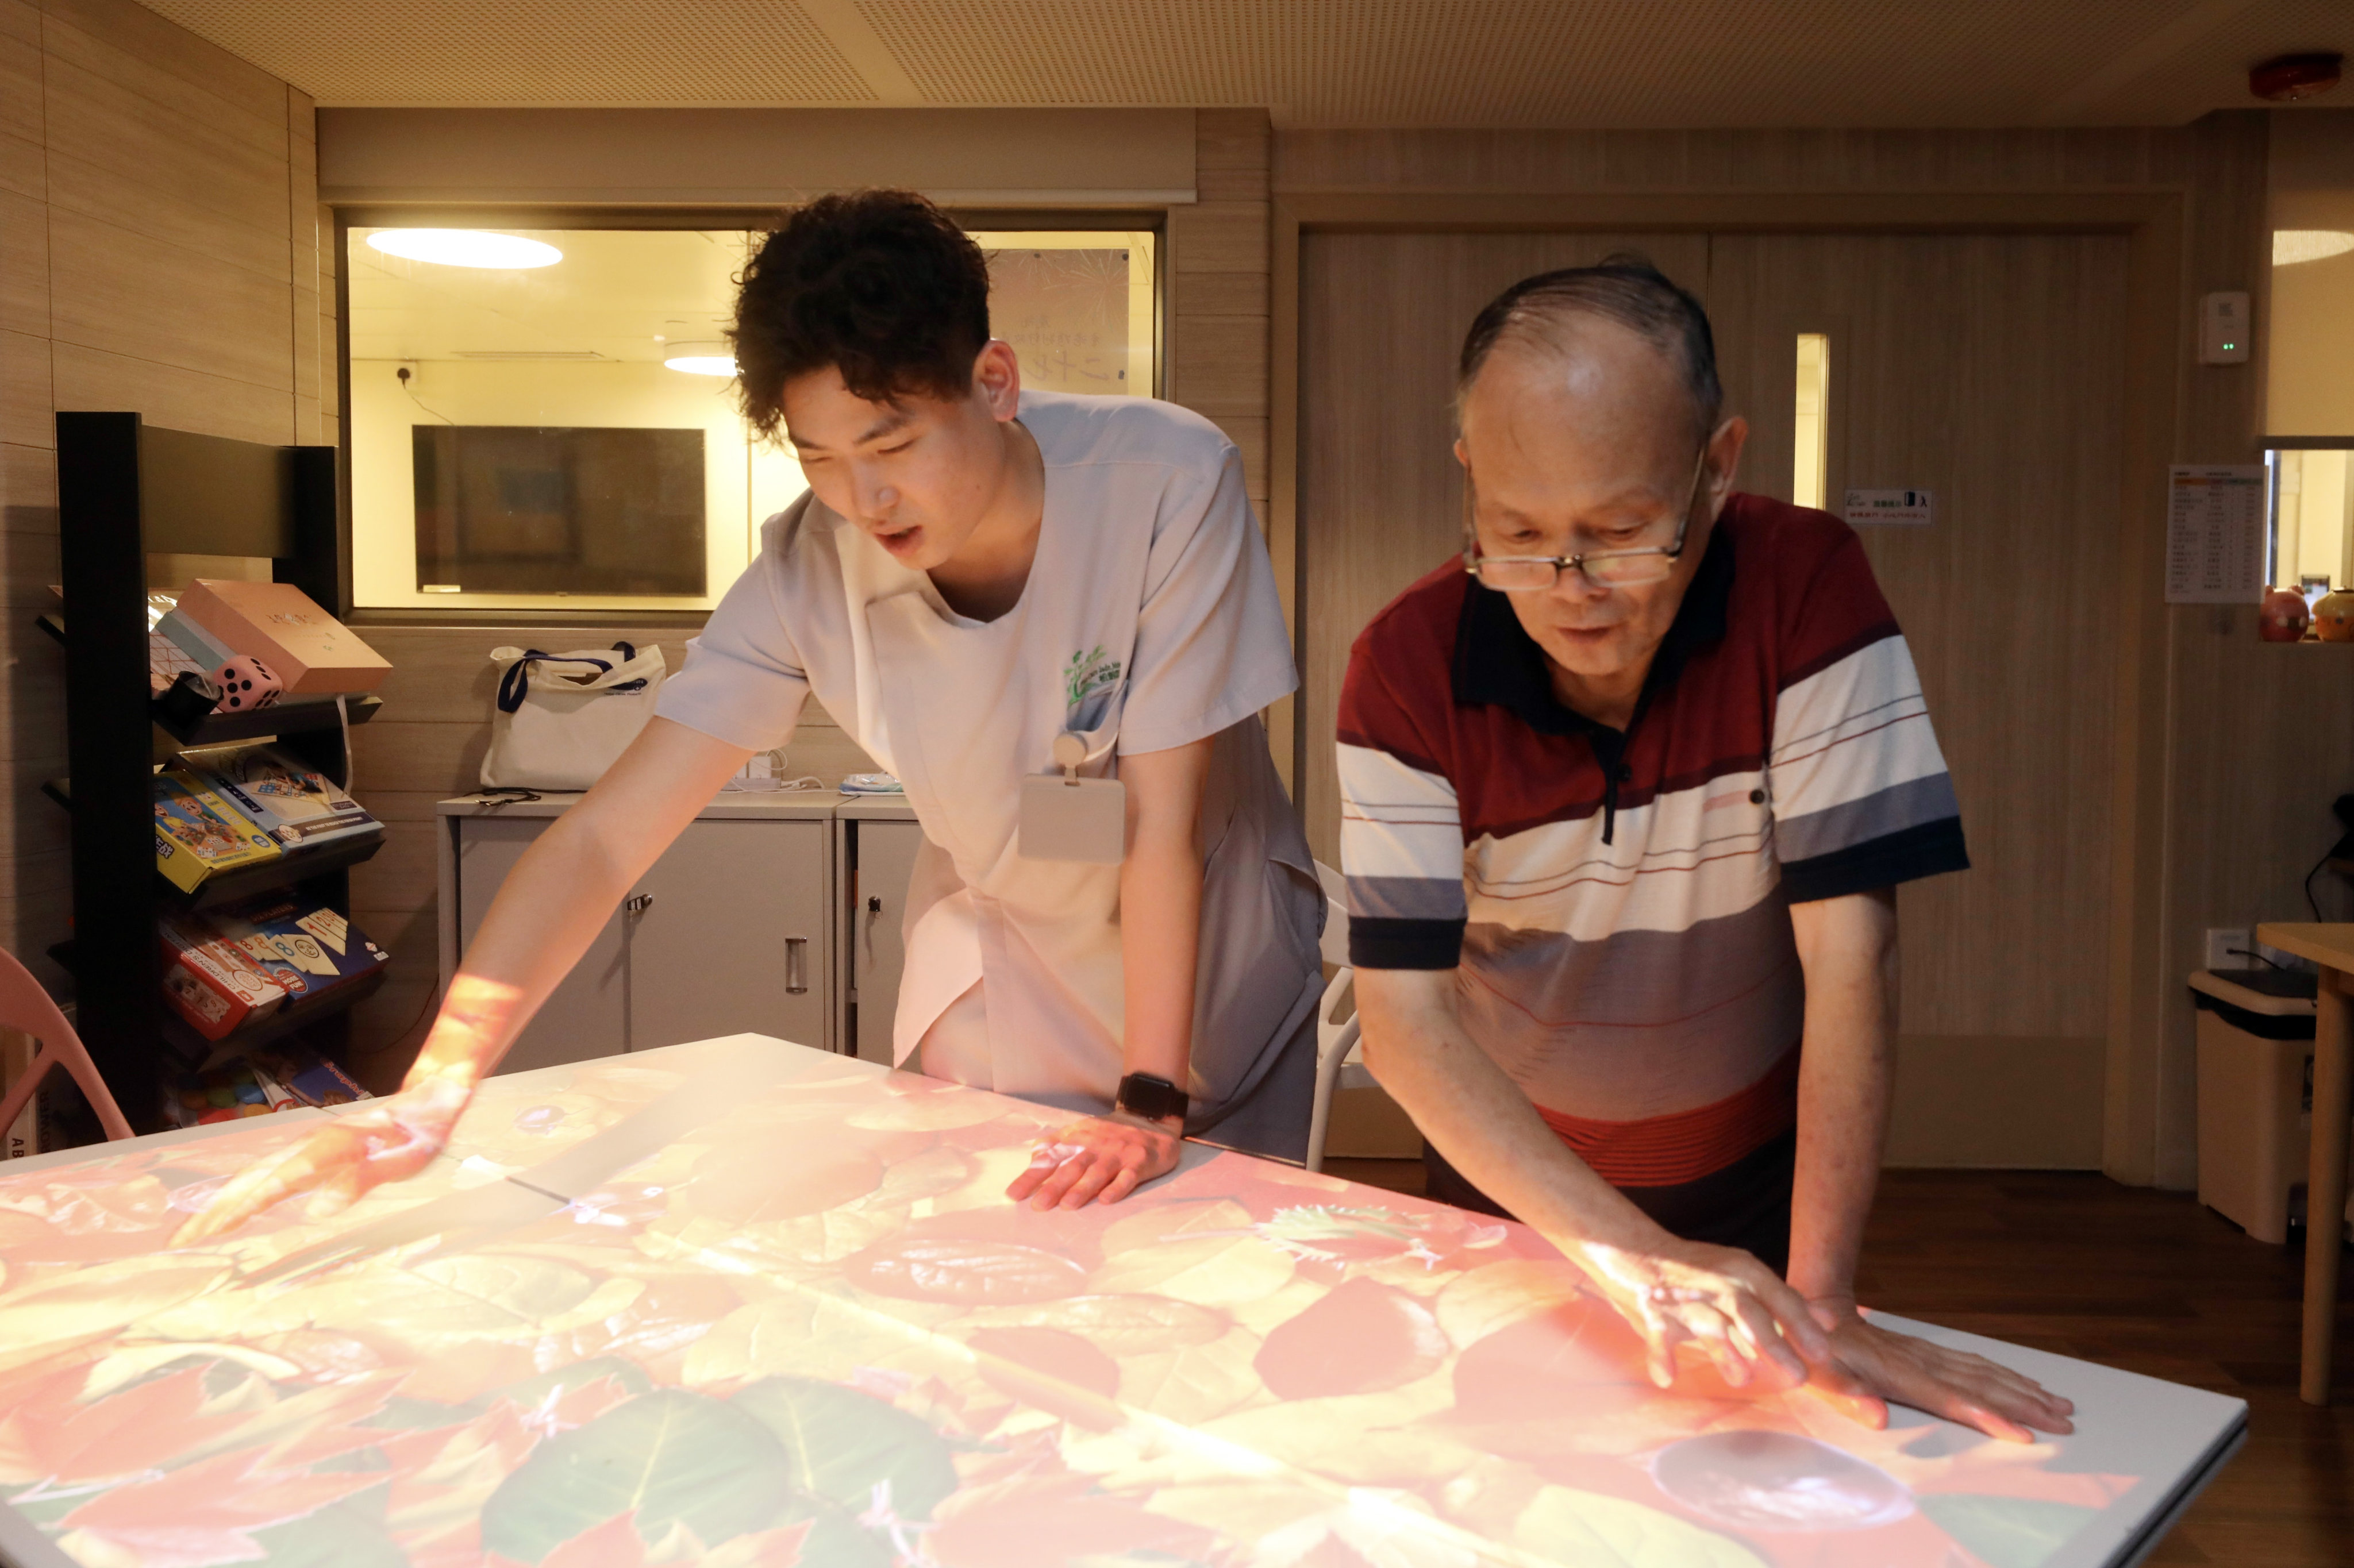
2215	534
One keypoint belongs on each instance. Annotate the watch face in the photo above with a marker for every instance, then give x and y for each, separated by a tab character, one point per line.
1141	1094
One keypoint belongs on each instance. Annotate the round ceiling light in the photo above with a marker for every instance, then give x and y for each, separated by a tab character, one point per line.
2291	246
701	358
466	247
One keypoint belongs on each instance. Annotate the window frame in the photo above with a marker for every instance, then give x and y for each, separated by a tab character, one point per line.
763	217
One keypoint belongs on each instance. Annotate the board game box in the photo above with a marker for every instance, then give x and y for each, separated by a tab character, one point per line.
304	947
209	980
298	807
198	835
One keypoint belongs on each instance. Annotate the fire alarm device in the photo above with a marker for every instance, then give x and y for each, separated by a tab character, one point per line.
2223	329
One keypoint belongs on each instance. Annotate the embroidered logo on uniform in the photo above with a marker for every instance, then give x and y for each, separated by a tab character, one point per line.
1088	681
1089	673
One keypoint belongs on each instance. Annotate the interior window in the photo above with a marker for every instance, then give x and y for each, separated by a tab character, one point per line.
546	418
2312	520
1812	445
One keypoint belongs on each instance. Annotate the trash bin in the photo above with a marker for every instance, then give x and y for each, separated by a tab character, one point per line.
2255	1093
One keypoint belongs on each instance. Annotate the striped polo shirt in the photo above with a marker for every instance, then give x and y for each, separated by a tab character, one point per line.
1616	904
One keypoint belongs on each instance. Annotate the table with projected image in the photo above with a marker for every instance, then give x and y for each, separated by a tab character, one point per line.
746	1303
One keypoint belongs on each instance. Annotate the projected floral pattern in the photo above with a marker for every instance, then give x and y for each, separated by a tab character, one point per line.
813	1332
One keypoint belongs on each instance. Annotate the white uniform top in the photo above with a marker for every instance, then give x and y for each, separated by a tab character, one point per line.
1149	621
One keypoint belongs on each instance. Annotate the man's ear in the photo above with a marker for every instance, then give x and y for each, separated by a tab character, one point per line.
997	379
1460	456
1724	457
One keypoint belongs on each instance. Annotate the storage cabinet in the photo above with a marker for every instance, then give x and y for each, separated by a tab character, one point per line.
732	930
729	935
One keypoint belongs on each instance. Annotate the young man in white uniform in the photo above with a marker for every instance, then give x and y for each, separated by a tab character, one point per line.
976	572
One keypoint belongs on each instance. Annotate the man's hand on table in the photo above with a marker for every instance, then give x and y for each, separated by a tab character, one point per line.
1098	1159
381	1141
384	1139
1719	1298
1954	1384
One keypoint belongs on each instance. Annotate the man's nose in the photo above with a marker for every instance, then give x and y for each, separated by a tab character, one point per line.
1572	585
873	496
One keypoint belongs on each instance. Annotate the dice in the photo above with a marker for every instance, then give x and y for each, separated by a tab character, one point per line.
246	683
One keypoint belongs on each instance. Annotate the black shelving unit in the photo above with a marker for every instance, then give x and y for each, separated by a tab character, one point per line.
127	490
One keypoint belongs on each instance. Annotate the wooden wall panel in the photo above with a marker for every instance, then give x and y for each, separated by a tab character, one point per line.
1217	322
135	298
1217	298
2253	744
148	184
1534	161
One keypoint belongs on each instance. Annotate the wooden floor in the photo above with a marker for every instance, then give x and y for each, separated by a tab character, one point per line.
2147	1281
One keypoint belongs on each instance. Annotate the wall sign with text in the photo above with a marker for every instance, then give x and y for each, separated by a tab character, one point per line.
1914	508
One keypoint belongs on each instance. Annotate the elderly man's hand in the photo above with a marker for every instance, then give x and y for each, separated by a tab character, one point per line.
1954	1384
1719	1299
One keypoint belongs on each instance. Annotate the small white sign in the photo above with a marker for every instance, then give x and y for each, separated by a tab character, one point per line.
2215	519
1916	508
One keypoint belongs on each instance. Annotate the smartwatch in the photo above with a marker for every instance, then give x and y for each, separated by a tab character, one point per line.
1154	1098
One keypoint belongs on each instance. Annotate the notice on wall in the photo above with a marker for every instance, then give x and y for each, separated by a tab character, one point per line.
1066	313
2215	534
1916	508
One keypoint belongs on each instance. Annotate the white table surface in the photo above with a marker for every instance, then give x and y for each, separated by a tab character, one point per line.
656	1120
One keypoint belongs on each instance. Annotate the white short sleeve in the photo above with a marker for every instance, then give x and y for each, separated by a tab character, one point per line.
745	679
1211	645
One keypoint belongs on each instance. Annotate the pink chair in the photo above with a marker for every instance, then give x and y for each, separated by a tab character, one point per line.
25	1006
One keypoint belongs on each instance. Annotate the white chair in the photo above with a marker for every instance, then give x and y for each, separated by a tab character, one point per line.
1340	1062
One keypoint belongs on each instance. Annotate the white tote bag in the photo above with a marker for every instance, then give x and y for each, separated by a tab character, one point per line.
562	718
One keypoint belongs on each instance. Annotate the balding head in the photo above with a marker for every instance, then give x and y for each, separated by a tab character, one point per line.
1588	419
1550	316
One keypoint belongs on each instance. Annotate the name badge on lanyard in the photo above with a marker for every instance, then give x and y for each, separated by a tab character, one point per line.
1071	818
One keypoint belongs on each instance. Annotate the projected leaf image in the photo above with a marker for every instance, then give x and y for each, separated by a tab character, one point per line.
811	1331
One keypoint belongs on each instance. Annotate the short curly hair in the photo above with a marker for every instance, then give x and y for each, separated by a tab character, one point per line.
879	285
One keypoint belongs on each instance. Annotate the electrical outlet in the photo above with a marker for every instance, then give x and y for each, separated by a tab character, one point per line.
2225	947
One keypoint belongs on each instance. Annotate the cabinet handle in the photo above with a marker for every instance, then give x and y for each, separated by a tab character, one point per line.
638	905
796	965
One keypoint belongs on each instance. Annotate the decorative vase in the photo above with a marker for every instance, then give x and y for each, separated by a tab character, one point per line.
2333	617
2282	617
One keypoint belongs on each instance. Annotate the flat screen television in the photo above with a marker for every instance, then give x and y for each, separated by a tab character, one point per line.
559	510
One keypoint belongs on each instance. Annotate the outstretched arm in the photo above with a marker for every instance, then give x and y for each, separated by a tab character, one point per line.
550	909
1109	1157
1670	1290
1847	948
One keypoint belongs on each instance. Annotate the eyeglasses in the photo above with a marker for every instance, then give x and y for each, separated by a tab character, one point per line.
1603	568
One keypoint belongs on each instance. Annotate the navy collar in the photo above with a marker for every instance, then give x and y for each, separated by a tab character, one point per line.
1496	662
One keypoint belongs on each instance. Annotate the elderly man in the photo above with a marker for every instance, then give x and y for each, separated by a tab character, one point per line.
1627	790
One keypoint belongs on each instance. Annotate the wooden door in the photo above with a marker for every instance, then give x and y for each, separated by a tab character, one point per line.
1989	371
878	950
585	1016
731	939
1382	318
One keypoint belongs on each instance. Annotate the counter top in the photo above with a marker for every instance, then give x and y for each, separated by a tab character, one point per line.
2330	943
781	805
